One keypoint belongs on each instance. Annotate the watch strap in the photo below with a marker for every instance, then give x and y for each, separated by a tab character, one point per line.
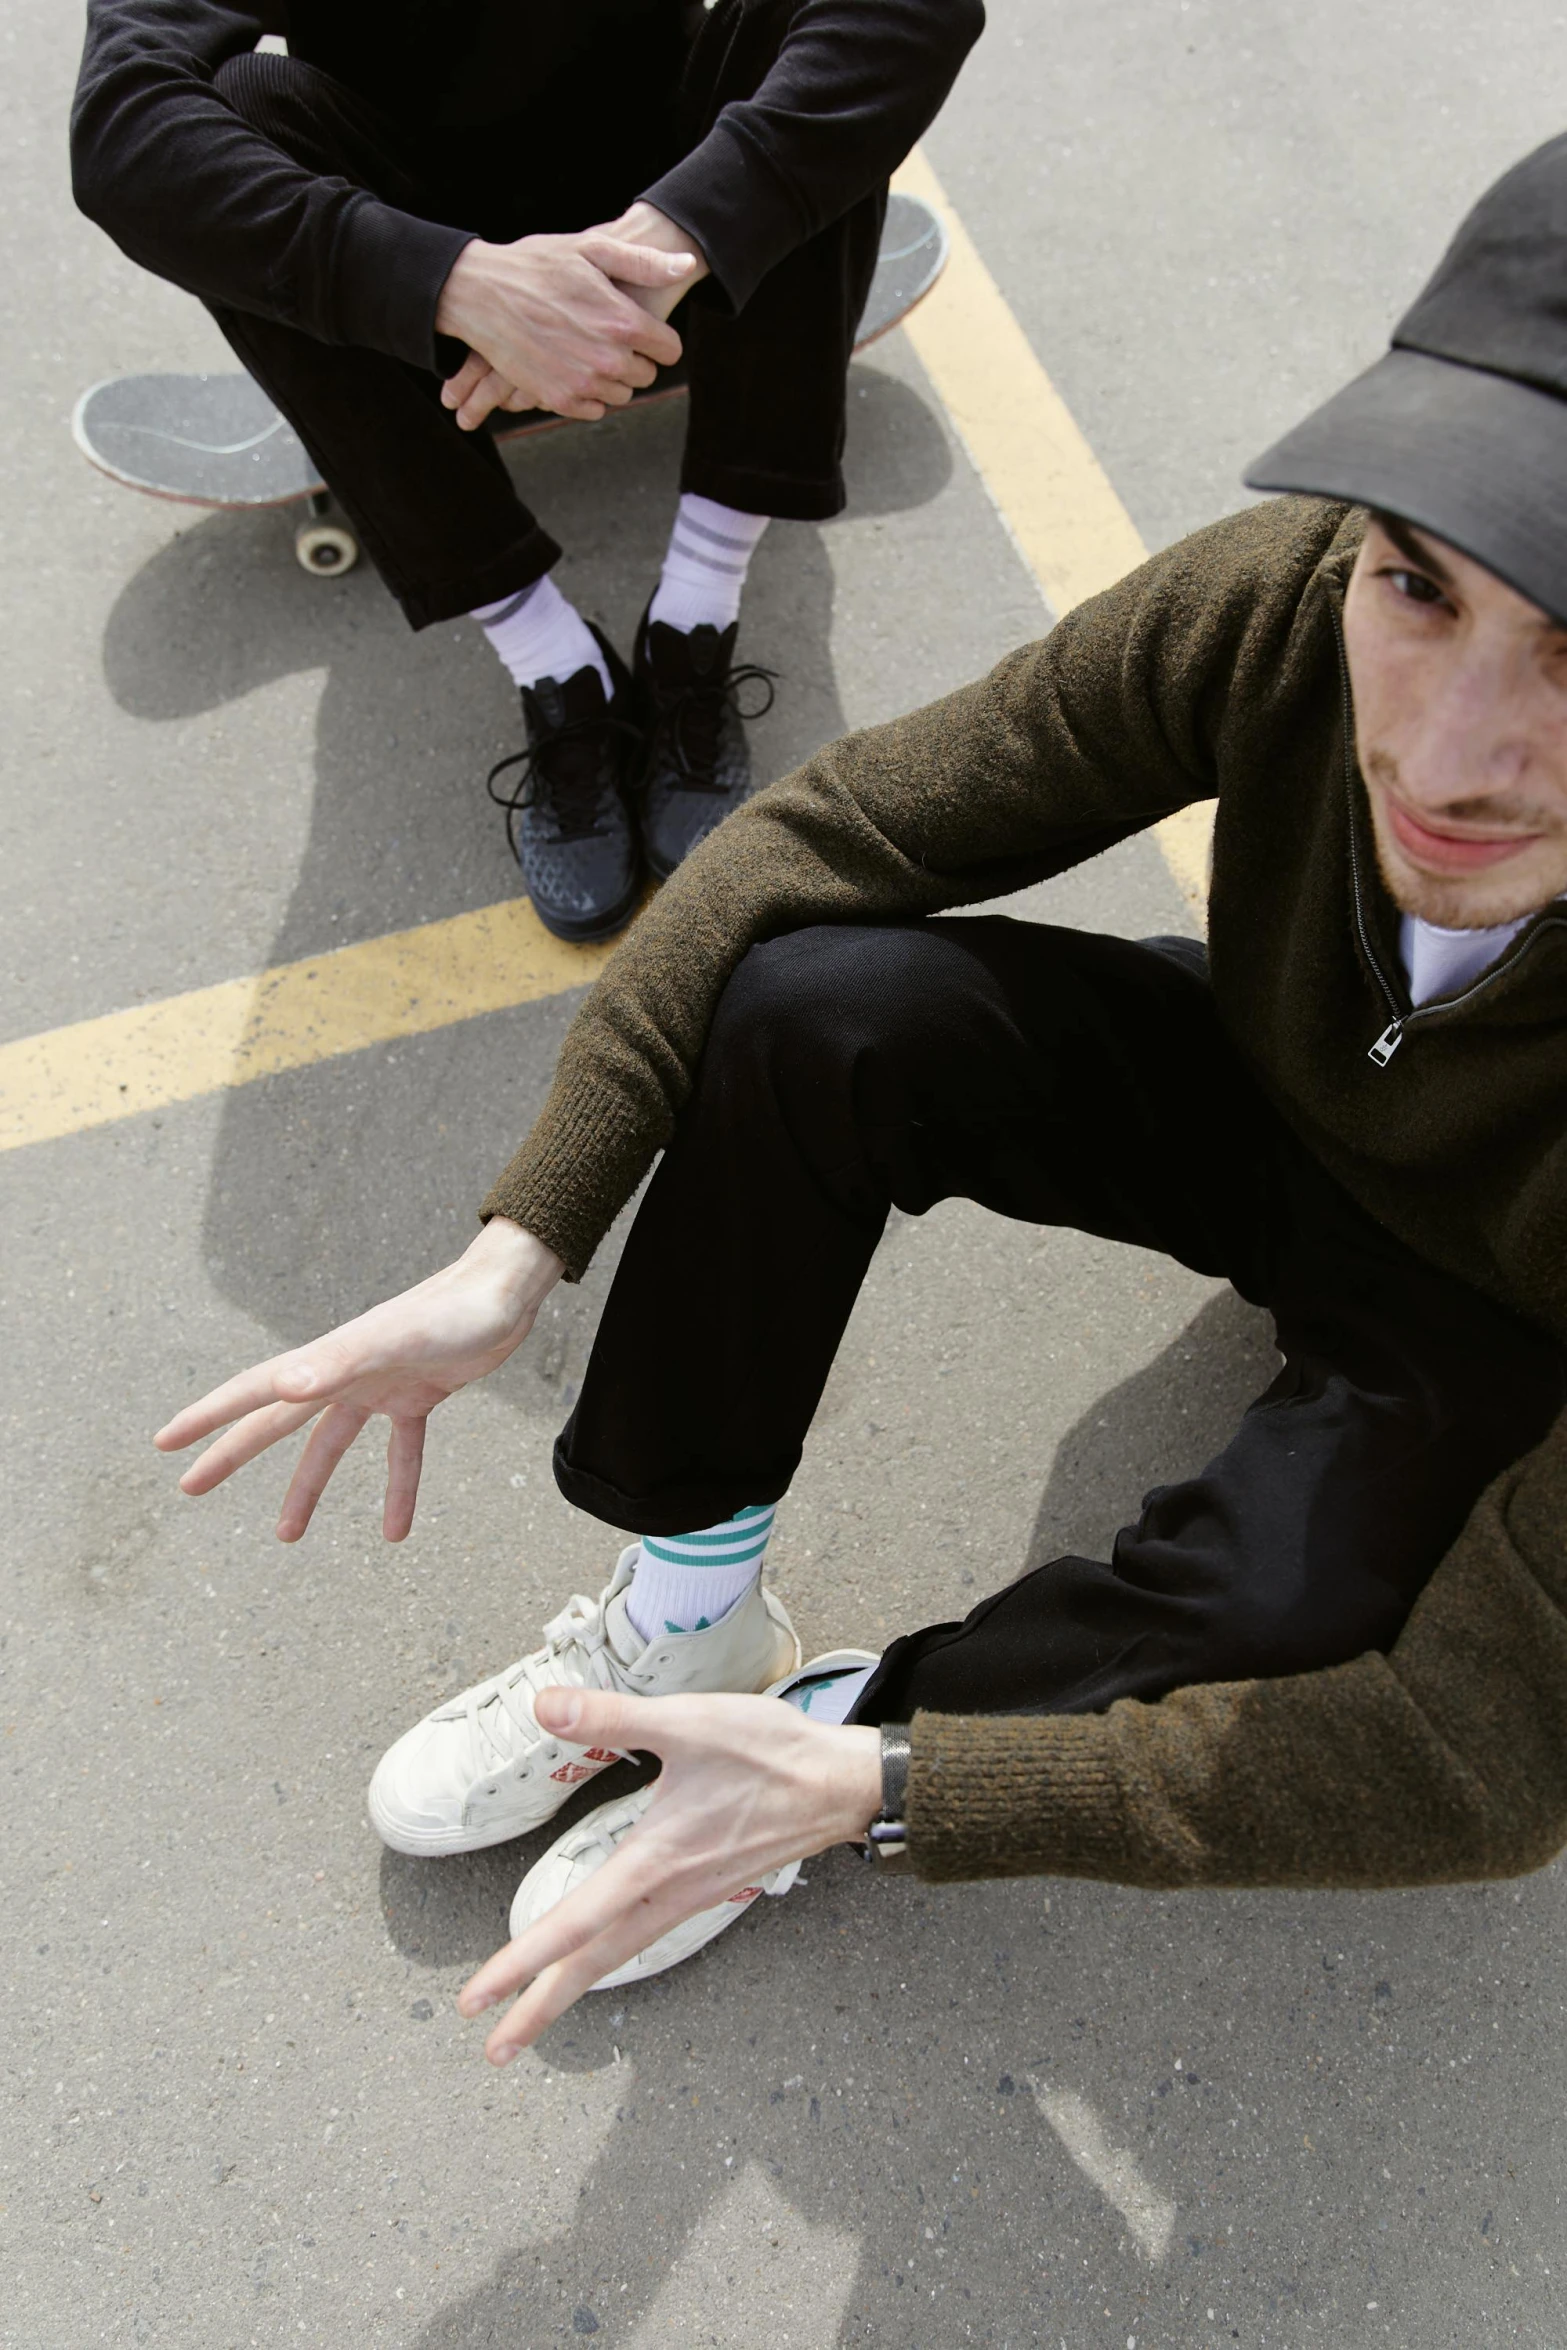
888	1839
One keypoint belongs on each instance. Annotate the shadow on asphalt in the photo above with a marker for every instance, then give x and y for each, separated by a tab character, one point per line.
398	1144
1164	1423
851	2074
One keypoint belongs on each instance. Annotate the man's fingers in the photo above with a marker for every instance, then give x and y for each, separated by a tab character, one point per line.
328	1443
244	1441
560	1986
627	1922
545	2001
572	1926
738	1796
636	265
655	338
601	1717
490	392
311	1375
246	1392
404	1458
472	372
627	1890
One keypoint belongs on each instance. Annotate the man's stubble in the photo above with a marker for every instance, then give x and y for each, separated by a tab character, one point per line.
1474	901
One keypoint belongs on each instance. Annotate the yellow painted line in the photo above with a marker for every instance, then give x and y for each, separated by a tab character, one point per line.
1070	529
404	984
1052	493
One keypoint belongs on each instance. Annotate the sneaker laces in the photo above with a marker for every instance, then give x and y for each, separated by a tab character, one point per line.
688	717
572	788
576	1655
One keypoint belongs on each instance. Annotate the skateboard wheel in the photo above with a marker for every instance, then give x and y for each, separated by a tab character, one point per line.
326	549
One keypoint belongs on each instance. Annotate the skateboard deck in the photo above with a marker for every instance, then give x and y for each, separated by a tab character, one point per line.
217	440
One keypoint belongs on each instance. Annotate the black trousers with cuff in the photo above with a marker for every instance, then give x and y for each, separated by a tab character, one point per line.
1060	1078
434	506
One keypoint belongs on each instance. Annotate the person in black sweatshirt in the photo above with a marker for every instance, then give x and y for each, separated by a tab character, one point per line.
422	217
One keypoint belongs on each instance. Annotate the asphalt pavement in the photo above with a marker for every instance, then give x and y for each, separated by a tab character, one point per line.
241	2107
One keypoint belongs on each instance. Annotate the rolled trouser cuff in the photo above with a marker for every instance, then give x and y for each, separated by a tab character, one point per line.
674	1509
524	561
753	490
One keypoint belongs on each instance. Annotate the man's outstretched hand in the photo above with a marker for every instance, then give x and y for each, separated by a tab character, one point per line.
748	1784
402	1358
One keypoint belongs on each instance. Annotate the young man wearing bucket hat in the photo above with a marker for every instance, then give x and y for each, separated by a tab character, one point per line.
1339	1655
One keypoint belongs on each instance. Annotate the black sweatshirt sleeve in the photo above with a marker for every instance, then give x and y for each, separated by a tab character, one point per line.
189	191
854	85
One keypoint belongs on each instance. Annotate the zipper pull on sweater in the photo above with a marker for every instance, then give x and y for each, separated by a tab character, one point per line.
1387	1043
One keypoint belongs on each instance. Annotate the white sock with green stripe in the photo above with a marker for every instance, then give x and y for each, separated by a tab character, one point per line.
685	1582
829	1697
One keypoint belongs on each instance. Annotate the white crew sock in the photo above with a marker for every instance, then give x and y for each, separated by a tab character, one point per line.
832	1696
710	550
537	633
685	1582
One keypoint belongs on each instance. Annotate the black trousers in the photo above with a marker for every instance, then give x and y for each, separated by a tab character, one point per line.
434	506
1060	1078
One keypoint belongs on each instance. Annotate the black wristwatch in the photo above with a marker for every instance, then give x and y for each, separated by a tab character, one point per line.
887	1843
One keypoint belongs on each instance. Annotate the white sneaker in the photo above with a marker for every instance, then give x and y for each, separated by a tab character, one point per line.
572	1859
479	1770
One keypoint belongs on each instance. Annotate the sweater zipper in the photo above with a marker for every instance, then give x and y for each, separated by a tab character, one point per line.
1393	1034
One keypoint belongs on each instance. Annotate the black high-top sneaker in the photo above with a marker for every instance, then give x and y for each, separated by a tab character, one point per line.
568	814
698	763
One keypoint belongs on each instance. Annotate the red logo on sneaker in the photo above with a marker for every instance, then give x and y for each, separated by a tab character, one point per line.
600	1754
570	1773
746	1893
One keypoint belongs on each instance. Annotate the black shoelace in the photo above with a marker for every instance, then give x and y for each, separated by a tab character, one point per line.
572	788
689	717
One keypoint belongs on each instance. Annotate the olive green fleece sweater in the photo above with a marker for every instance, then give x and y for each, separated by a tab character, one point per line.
1215	670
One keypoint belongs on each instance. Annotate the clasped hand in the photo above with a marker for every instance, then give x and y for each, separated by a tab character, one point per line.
574	324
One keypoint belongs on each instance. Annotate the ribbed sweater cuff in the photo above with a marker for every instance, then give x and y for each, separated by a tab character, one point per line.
389	271
569	1181
728	196
1005	1796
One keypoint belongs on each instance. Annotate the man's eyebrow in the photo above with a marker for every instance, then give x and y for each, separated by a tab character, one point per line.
1410	544
1415	549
